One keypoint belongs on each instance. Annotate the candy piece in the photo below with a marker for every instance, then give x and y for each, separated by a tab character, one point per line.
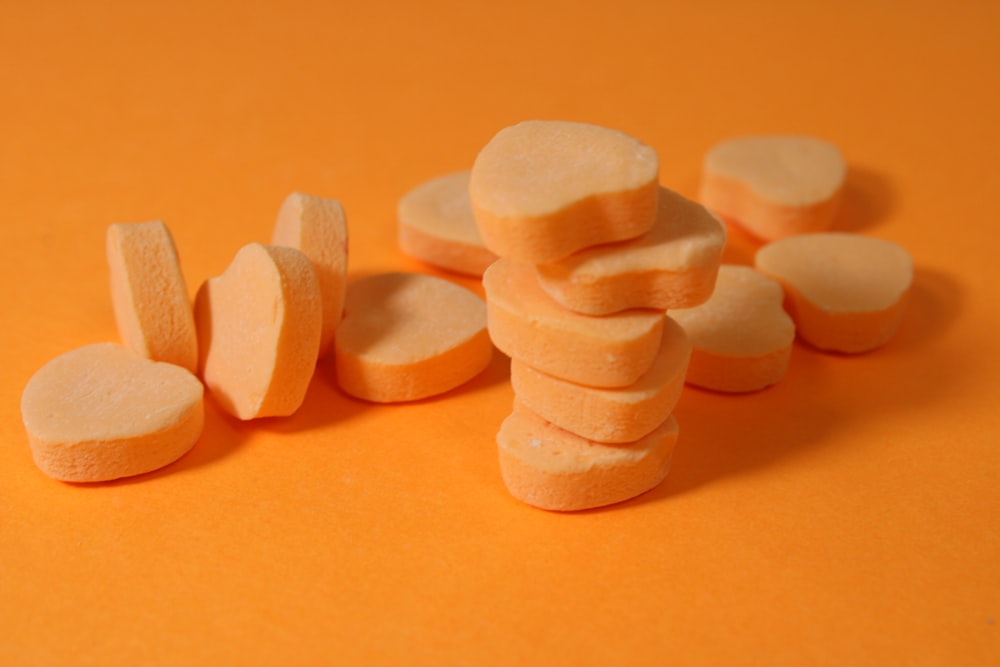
741	337
259	327
148	294
673	266
553	469
318	227
436	226
541	190
101	412
609	415
526	324
407	336
846	292
774	186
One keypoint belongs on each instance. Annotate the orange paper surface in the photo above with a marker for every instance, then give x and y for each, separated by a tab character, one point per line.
849	515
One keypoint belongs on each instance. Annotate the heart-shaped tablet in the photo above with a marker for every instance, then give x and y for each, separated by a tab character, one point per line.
102	412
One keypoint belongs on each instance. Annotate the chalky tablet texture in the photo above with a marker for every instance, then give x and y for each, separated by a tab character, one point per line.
436	226
543	189
259	327
672	266
149	295
550	468
846	292
774	186
318	227
741	337
407	336
101	412
526	324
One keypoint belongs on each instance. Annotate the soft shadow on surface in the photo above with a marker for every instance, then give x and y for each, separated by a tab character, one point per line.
868	200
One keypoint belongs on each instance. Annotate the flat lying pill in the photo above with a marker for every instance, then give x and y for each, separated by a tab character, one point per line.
526	324
101	412
318	227
672	266
148	294
741	337
541	189
774	186
259	327
407	336
436	226
609	415
550	468
846	292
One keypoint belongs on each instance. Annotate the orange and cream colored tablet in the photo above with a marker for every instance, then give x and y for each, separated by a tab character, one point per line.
550	468
102	411
741	337
149	295
609	415
259	327
543	189
318	227
526	324
672	266
436	226
846	292
774	186
407	336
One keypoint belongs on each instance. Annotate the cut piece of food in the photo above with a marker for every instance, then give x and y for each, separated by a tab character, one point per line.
550	468
543	189
149	295
672	266
318	227
526	324
436	226
259	327
407	336
774	186
102	411
609	415
846	292
741	337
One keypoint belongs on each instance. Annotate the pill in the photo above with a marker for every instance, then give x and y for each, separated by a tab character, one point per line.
149	296
609	415
846	292
526	324
672	266
436	226
550	468
774	186
741	337
407	336
318	227
102	411
259	327
543	189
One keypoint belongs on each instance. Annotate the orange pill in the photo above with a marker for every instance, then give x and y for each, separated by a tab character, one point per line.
846	292
526	324
436	226
741	337
101	412
672	266
542	189
149	295
550	468
259	327
318	227
774	186
609	415
407	336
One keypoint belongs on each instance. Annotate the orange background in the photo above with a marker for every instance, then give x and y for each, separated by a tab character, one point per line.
849	515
